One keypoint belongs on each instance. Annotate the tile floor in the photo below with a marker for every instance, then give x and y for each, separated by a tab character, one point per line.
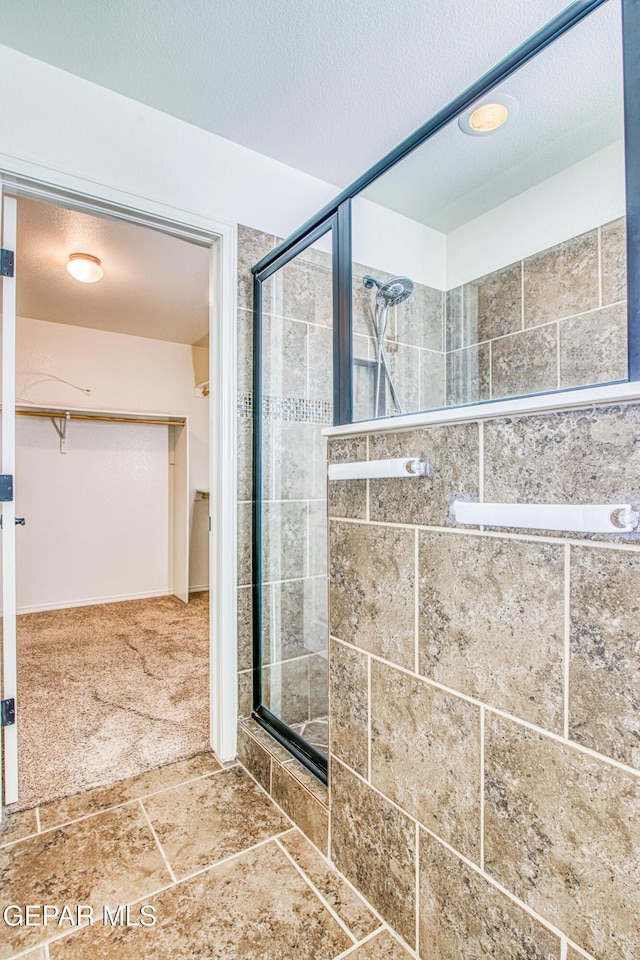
227	874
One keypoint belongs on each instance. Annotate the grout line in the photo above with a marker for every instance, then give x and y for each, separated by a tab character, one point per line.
39	828
369	719
349	952
490	370
482	710
416	603
567	637
481	461
417	895
117	806
506	534
563	948
315	890
157	840
600	266
558	371
367	507
47	955
496	711
522	294
469	863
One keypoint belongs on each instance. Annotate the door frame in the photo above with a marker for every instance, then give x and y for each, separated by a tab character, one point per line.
48	184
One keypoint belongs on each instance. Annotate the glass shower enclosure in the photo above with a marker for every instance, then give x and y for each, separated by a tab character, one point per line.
294	399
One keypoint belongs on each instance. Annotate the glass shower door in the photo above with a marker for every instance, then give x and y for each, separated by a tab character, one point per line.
293	403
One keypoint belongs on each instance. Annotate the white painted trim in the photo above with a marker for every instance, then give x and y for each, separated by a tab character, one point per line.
47	181
544	403
92	601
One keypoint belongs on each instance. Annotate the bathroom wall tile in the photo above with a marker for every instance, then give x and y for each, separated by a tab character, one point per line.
452	452
574	954
482	600
561	281
245	694
574	456
493	304
320	377
285	689
349	706
245	626
462	915
316	732
284	532
348	498
468	375
244	543
229	912
562	832
373	844
364	301
604	706
431	380
454	319
336	892
245	350
419	318
284	357
245	458
593	347
381	947
613	242
372	586
299	803
525	363
300	461
294	619
404	366
201	822
318	686
304	291
254	758
252	247
318	532
425	755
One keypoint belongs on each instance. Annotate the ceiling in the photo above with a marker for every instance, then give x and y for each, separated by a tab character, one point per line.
154	285
325	87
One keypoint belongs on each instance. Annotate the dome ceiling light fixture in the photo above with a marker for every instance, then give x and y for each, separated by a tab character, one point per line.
489	115
85	268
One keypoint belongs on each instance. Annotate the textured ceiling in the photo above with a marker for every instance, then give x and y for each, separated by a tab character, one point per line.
154	285
325	87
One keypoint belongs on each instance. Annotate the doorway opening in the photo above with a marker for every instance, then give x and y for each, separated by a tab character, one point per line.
113	483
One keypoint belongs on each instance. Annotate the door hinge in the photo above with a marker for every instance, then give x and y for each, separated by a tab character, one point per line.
7	259
8	717
6	488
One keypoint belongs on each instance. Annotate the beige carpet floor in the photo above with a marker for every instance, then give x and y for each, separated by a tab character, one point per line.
109	691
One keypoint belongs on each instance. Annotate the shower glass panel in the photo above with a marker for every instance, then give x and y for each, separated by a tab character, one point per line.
491	261
296	359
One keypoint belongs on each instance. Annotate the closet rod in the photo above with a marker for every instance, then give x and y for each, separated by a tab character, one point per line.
58	414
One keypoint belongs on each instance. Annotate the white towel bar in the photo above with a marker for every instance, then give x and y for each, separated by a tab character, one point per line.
403	467
578	518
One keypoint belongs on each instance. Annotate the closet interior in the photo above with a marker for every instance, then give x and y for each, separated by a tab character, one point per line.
112	482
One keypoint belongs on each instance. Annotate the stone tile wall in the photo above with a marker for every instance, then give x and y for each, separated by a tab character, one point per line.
523	329
484	709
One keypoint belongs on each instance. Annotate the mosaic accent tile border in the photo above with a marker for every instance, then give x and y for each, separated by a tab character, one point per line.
287	408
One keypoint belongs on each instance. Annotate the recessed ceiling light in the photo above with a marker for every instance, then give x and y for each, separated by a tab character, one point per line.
85	268
488	115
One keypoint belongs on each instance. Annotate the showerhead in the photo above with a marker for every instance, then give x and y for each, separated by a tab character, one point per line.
391	293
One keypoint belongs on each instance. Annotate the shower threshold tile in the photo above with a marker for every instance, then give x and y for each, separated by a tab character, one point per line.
207	820
254	907
93	801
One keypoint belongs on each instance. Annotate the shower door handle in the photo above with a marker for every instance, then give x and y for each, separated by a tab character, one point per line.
19	521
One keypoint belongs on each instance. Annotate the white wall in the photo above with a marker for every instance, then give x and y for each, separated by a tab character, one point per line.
98	517
578	199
